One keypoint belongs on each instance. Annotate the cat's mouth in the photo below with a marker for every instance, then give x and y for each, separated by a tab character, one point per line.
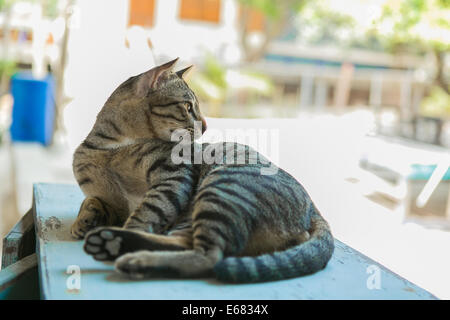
186	133
194	135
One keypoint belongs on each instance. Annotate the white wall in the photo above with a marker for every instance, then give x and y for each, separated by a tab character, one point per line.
97	62
189	40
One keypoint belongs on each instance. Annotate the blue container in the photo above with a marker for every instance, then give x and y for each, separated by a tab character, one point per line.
33	111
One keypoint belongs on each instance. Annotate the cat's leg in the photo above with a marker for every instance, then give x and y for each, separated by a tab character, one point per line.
93	213
186	264
106	244
104	204
161	206
213	236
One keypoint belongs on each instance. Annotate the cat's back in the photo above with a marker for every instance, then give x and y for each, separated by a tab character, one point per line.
240	166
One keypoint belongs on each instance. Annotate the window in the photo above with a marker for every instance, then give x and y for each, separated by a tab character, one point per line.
201	10
142	13
255	19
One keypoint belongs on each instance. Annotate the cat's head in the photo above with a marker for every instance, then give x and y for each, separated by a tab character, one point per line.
158	102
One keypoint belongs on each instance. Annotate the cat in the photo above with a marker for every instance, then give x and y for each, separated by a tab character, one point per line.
153	217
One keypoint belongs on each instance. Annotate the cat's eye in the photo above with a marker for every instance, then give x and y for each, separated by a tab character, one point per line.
188	106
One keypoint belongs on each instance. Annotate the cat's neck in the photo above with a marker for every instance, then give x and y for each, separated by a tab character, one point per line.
109	135
107	144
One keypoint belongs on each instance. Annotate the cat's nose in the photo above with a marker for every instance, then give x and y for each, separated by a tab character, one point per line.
203	125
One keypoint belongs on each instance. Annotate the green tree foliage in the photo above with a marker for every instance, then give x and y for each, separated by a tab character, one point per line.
50	7
318	24
274	10
418	26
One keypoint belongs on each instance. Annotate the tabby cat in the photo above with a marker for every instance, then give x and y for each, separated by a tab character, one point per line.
154	217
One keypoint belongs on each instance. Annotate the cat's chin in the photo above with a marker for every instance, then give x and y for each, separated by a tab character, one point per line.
180	135
169	136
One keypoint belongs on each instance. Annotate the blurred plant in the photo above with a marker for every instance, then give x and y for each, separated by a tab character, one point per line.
5	4
418	26
215	71
49	7
319	24
7	68
214	82
436	104
210	83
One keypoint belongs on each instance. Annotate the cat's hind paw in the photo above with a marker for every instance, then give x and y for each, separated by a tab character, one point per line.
133	265
145	264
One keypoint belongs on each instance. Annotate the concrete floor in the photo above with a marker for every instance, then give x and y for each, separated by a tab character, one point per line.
322	152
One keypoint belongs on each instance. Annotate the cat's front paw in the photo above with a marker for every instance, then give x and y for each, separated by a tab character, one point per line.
91	215
80	228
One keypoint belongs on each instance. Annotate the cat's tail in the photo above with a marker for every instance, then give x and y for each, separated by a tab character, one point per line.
305	258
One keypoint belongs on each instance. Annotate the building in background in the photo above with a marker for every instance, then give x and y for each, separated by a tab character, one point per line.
306	76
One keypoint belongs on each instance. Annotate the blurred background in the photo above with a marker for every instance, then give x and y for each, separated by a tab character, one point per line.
357	91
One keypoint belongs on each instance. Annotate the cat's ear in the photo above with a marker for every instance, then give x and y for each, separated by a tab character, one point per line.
182	73
151	79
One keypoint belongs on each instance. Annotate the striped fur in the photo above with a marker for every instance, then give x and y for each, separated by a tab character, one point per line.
188	220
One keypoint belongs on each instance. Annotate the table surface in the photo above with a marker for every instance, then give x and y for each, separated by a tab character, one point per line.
55	207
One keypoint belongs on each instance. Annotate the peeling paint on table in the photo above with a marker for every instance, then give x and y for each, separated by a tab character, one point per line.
348	275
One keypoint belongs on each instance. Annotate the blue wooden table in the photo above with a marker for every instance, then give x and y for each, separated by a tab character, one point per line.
66	272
